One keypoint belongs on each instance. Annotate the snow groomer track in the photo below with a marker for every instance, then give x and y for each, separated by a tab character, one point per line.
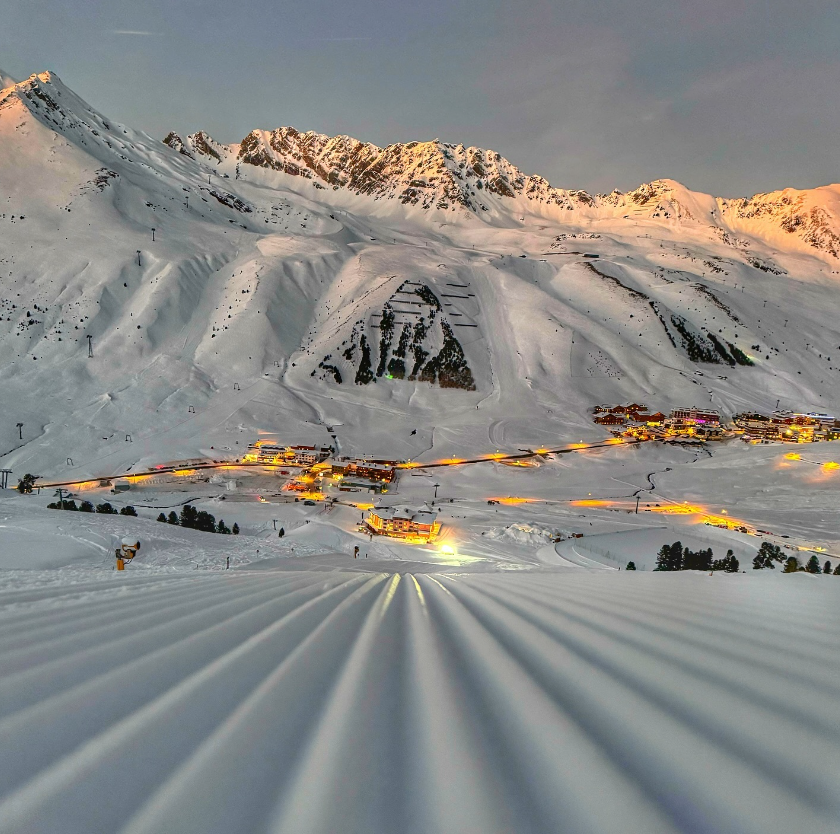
281	701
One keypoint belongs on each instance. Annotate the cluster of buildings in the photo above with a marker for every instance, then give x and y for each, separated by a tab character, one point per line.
320	470
273	455
787	426
636	421
354	475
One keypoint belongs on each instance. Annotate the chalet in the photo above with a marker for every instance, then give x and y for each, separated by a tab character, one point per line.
708	432
260	452
306	455
368	470
371	471
403	523
610	419
268	453
695	415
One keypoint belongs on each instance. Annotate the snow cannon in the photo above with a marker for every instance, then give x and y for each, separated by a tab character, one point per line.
126	551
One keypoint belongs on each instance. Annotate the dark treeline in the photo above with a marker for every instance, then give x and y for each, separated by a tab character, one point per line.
771	554
198	520
676	557
87	507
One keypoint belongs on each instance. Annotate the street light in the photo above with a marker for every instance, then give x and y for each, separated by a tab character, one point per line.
436	489
20	430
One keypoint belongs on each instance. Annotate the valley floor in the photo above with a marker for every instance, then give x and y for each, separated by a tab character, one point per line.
496	680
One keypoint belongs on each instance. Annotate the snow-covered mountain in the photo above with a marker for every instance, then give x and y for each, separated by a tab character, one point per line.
295	281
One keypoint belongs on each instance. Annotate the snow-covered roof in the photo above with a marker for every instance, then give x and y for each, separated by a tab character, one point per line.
417	516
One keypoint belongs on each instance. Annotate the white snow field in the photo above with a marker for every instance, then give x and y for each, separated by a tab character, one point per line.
424	302
363	701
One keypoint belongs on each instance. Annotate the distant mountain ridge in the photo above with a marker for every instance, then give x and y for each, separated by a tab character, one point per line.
440	176
443	176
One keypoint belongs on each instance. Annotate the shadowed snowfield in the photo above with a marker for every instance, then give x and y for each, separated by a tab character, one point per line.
325	701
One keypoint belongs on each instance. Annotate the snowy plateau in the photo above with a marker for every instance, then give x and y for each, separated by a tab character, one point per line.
166	302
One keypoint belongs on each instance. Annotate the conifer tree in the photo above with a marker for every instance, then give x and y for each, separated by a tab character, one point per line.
235	529
791	565
189	516
827	566
631	566
813	565
767	554
205	522
162	518
837	570
670	557
676	556
172	518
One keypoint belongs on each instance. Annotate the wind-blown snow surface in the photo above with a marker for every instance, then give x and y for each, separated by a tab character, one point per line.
357	701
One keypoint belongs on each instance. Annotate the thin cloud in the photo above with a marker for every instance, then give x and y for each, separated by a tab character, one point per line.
134	32
331	40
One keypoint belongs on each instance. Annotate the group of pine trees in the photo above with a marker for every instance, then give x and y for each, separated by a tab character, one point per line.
768	554
676	557
87	507
190	517
198	520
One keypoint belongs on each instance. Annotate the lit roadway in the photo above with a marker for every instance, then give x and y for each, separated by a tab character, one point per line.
212	464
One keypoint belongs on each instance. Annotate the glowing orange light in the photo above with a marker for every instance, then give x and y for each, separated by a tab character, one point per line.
832	464
591	502
793	456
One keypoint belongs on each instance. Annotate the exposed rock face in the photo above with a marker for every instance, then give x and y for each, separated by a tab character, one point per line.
207	149
177	144
415	342
427	174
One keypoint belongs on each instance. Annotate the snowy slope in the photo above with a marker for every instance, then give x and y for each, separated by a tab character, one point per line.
361	702
270	254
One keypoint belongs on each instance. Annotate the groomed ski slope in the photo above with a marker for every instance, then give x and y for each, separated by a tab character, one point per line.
354	701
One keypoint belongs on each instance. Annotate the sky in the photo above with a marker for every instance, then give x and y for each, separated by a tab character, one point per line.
730	98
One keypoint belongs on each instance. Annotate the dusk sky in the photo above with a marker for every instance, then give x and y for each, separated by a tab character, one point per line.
728	97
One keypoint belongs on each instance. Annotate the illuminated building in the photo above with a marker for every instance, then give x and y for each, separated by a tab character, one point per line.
403	523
